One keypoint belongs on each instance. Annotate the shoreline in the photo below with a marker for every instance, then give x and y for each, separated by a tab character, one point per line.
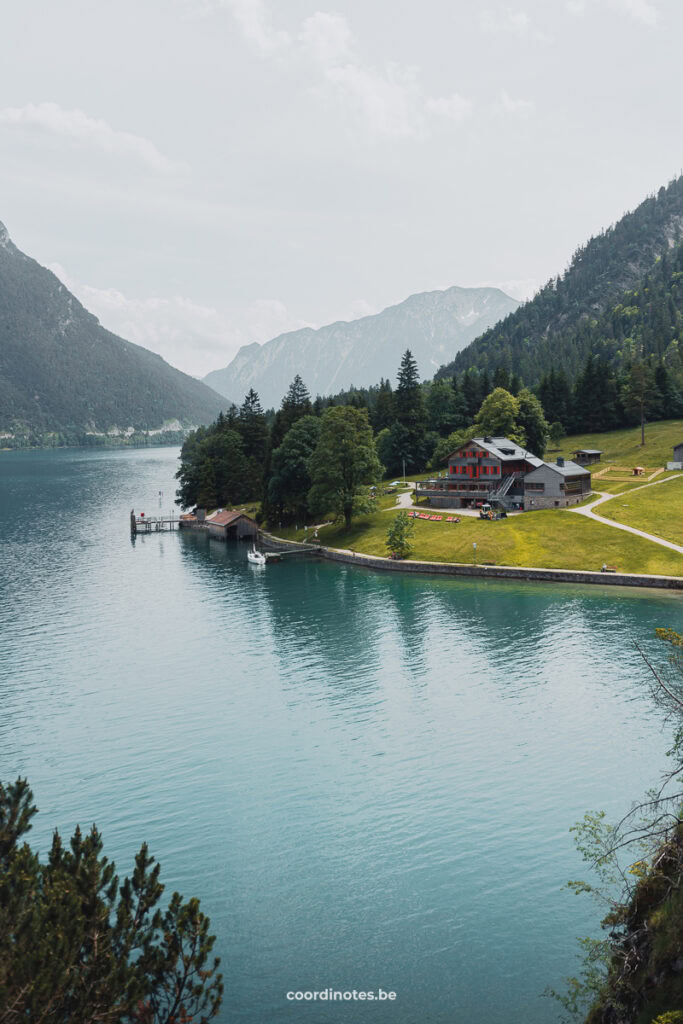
534	573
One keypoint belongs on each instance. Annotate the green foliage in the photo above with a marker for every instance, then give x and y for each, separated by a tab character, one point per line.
214	471
411	414
445	406
344	459
78	945
383	412
637	977
556	432
620	299
447	445
253	429
394	448
531	422
398	535
638	393
290	479
498	416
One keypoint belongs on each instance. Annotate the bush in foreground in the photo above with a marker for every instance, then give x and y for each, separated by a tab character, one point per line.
76	945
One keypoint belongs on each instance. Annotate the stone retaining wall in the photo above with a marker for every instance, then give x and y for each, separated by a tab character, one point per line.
619	579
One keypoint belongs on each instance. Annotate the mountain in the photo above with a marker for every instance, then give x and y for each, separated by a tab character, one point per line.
571	317
60	371
432	324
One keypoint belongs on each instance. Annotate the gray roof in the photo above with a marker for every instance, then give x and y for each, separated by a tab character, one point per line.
569	468
587	451
504	449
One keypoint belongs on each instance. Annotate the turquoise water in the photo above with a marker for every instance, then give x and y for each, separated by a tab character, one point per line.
367	779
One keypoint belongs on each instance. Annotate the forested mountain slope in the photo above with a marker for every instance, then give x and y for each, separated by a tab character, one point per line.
602	304
61	371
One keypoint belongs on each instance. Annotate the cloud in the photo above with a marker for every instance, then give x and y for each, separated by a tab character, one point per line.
194	337
516	22
327	38
640	10
514	107
453	108
74	124
254	20
388	101
510	22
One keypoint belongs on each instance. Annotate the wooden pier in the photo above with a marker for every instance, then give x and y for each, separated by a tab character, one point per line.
153	524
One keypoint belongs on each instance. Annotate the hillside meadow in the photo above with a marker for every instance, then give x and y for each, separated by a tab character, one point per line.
623	448
657	510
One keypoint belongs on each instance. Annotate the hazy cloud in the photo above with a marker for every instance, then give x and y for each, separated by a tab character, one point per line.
254	20
388	100
76	125
194	337
327	38
507	20
640	10
515	107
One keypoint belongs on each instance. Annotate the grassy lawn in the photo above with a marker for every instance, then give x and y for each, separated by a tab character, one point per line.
550	539
657	510
623	448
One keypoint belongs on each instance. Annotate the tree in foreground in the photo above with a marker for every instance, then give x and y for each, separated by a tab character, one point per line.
633	975
399	534
78	946
343	462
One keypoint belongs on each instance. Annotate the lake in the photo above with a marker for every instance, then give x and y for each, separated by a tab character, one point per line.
367	779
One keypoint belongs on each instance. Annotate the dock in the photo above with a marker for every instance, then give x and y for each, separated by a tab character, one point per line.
153	524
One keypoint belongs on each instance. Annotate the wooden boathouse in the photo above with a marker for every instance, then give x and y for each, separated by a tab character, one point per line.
223	524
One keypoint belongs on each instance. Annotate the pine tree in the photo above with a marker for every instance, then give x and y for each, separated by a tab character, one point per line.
471	393
77	945
638	394
410	411
383	413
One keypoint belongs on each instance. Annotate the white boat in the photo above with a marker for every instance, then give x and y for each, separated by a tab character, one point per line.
257	557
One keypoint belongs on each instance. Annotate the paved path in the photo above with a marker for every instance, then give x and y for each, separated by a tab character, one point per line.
587	511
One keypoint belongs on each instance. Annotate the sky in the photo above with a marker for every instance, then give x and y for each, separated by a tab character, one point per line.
204	174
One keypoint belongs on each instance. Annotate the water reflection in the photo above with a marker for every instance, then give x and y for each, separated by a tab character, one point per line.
368	779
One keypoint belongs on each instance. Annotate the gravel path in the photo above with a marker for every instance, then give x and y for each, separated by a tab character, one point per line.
587	511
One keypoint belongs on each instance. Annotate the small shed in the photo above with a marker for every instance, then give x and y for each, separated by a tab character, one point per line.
678	457
585	456
638	470
228	524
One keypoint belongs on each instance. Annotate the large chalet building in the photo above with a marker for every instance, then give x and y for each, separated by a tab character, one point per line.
500	472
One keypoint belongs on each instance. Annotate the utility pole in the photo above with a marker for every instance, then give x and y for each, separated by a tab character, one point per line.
404	472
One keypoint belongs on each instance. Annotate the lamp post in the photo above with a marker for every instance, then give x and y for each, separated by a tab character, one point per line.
404	472
474	547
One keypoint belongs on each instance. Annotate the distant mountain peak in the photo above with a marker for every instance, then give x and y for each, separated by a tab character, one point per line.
435	325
